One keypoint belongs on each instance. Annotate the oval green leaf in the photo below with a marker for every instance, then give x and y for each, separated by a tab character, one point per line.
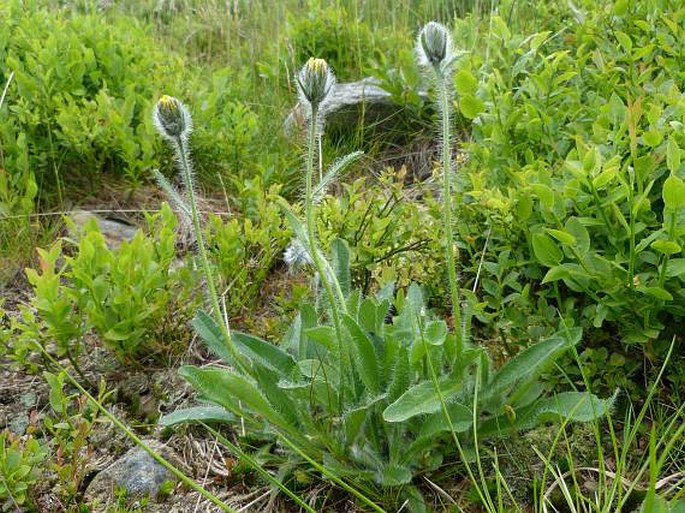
580	233
465	83
546	251
471	106
673	192
666	247
420	399
562	236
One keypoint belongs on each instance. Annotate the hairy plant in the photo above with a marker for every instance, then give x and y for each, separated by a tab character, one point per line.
368	398
173	121
434	50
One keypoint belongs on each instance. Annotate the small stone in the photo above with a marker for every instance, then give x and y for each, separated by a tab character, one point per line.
114	231
136	472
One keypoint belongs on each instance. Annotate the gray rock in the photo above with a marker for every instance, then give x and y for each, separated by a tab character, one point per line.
114	231
349	103
136	472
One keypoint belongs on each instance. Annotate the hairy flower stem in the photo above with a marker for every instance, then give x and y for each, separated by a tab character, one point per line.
322	267
332	290
184	162
446	157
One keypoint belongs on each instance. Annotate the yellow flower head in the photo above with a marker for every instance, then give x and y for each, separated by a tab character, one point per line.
314	81
171	118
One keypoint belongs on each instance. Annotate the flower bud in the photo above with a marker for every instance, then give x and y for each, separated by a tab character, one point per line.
314	81
434	45
172	118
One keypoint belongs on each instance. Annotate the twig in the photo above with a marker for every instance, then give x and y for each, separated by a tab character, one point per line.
7	86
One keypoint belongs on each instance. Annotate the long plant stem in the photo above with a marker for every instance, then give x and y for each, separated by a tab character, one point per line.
184	160
77	368
7	86
324	276
332	289
446	158
482	491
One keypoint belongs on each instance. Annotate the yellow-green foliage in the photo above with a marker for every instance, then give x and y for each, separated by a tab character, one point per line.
19	470
127	295
245	247
392	236
81	90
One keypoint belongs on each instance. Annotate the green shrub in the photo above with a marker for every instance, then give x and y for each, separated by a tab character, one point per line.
18	193
127	295
229	141
333	34
392	237
244	248
70	422
577	141
77	91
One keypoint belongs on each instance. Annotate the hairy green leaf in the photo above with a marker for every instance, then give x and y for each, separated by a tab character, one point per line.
365	358
265	353
340	254
394	475
574	406
198	414
235	393
529	363
435	332
324	335
421	399
460	416
208	330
